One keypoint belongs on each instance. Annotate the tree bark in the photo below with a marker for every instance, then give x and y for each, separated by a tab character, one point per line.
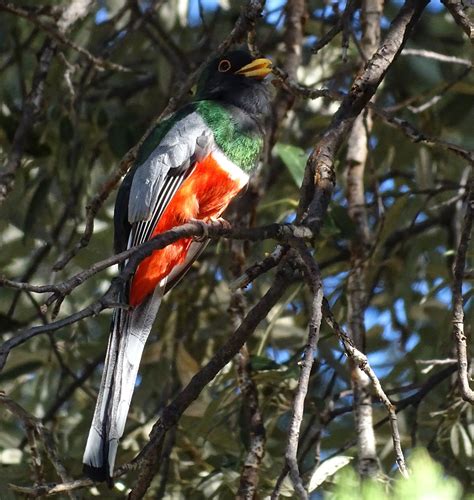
357	153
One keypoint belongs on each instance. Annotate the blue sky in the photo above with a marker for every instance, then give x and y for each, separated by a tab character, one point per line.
273	8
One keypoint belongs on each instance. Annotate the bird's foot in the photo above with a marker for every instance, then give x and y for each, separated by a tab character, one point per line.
223	223
219	222
205	230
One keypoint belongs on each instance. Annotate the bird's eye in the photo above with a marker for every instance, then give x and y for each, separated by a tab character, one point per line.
224	66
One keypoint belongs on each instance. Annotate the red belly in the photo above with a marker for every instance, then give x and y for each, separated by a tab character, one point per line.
204	195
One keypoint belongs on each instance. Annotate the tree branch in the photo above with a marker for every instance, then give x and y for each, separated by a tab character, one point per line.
135	255
458	311
457	10
313	277
32	105
362	362
319	176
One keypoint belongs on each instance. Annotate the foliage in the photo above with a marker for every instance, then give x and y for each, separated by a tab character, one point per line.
414	192
427	480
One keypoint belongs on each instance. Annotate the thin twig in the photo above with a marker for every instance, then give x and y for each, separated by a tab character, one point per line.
35	430
458	311
429	54
362	362
337	28
313	277
257	269
59	36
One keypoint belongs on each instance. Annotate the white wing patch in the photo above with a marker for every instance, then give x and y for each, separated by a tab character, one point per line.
233	170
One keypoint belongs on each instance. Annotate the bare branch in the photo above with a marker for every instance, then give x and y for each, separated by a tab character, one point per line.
319	177
313	277
429	54
457	10
135	255
69	16
362	362
356	162
279	232
50	489
407	128
458	311
419	137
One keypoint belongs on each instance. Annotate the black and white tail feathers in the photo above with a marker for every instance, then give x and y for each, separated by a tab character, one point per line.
129	332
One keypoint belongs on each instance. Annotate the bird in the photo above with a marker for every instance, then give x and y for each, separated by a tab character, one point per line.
190	167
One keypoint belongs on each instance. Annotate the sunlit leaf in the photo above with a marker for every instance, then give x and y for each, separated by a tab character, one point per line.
327	469
294	159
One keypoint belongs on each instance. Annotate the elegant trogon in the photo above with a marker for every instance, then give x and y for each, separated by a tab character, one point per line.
190	167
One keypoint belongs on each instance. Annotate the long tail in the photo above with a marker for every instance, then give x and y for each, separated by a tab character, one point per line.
129	332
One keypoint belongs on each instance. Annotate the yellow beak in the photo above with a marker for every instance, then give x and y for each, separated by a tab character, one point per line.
259	68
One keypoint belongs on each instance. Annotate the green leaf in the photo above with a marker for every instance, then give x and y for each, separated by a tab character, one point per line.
294	158
329	228
327	469
340	216
37	207
427	480
8	324
119	139
102	118
66	129
454	439
260	363
15	372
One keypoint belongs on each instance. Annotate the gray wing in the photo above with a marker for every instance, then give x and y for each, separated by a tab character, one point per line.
188	141
148	188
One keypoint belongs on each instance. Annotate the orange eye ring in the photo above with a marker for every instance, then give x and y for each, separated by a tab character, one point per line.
224	66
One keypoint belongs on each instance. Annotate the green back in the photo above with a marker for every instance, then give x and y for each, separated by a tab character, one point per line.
242	148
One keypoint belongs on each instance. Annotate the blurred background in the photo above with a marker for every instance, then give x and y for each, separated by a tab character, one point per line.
89	116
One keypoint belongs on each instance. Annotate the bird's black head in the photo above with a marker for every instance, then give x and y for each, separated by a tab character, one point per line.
237	78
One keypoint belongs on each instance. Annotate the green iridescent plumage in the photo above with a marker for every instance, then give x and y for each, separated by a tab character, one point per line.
240	147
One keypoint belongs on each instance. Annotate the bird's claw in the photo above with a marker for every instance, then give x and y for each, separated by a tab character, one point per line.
220	222
225	224
205	231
